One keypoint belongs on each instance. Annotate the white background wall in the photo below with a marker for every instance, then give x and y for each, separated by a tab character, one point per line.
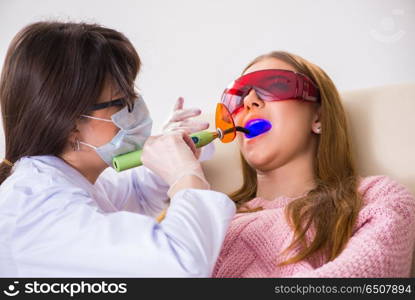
195	48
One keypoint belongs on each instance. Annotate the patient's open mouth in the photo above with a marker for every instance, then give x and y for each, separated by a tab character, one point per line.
257	127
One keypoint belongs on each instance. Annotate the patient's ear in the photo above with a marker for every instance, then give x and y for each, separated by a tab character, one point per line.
316	124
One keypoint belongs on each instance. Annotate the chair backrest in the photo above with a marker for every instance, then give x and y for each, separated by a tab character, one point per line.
382	124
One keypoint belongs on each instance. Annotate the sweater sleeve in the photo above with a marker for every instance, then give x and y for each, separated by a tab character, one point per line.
382	245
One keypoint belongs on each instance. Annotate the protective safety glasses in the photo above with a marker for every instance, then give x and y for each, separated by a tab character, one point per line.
120	102
270	85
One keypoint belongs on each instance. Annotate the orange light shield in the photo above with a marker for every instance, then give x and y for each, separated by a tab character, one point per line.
225	123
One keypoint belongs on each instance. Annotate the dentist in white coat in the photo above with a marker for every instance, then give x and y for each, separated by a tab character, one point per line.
69	106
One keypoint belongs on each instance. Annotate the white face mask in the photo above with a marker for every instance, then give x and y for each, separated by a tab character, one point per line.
135	128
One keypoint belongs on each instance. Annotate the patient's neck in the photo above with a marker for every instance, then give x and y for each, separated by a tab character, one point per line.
291	180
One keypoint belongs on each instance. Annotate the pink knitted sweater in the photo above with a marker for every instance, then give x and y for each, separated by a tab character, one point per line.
381	245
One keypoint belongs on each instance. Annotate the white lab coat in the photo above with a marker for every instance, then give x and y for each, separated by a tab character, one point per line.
55	223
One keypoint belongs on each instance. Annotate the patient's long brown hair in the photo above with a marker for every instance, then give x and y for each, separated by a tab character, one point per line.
329	210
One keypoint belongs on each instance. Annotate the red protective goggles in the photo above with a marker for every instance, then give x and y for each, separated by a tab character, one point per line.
270	85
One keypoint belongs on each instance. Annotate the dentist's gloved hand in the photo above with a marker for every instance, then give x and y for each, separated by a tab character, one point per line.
182	119
172	157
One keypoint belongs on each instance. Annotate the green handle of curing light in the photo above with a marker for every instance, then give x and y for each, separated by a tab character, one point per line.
133	159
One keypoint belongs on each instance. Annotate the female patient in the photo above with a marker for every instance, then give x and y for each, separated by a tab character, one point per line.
303	209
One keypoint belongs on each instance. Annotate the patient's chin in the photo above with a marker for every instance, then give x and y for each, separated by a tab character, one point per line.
260	161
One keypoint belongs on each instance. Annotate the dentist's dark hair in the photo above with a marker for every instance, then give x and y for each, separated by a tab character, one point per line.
52	74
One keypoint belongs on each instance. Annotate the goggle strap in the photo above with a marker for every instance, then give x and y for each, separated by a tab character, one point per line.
116	102
96	118
299	88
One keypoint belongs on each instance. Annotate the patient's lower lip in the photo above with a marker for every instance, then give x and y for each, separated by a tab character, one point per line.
252	140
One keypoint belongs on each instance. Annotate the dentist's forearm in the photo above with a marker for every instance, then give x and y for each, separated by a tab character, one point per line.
189	181
196	223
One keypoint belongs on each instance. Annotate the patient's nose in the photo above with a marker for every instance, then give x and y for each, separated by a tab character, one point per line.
252	101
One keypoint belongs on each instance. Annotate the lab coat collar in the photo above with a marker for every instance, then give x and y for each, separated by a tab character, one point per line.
66	170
